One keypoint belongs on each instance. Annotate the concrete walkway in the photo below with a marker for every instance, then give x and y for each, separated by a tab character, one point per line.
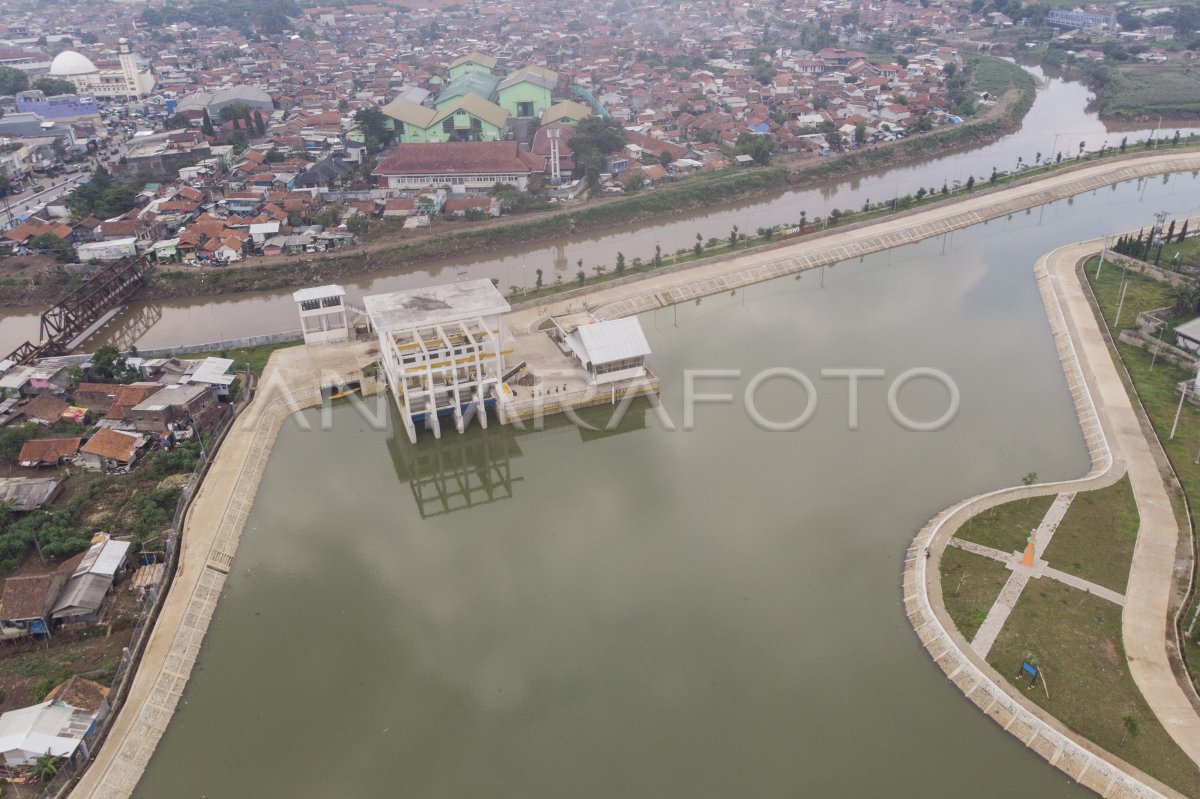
1012	590
636	294
212	530
214	522
1144	621
1113	434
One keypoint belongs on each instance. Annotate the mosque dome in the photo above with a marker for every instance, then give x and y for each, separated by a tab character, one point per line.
69	63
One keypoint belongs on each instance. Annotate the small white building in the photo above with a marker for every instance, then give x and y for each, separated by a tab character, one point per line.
323	314
442	349
112	250
50	727
611	350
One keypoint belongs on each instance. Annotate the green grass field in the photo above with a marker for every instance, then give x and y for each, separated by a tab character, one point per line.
1143	92
1005	527
1155	383
1075	639
255	356
1095	539
995	76
970	585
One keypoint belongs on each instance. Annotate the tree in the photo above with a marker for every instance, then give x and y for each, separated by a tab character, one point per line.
581	276
374	126
108	365
260	124
176	122
12	81
53	87
665	158
860	133
756	146
206	126
538	282
1030	478
1124	144
698	247
46	766
233	112
239	140
733	237
595	138
358	224
620	265
274	156
51	243
970	182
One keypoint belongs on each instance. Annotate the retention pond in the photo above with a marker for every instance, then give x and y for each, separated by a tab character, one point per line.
711	612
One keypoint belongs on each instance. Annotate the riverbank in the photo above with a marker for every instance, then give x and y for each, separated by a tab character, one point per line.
141	723
211	534
450	240
1117	445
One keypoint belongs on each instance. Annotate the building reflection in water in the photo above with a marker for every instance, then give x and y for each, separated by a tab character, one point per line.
459	471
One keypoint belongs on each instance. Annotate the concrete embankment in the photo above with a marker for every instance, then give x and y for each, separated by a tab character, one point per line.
645	292
291	382
218	514
1117	445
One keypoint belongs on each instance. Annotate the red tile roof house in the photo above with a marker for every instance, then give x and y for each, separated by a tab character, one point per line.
111	449
26	603
464	166
48	451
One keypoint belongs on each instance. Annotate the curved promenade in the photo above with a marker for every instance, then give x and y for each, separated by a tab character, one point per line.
218	514
291	382
1117	445
636	294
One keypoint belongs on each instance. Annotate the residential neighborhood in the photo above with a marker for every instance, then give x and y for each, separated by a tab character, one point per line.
197	145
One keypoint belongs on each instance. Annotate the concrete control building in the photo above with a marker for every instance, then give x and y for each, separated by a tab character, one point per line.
322	314
442	350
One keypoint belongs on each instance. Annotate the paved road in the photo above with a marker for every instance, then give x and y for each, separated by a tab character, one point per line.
1145	618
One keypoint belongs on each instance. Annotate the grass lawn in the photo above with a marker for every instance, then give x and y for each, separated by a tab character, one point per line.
1188	251
1095	539
1075	639
1005	527
1156	389
1142	91
995	76
970	585
255	356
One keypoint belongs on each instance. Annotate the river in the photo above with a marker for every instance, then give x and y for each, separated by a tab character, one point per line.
1058	121
651	612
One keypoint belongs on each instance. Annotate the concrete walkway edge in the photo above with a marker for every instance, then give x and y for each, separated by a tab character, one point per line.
212	530
1076	756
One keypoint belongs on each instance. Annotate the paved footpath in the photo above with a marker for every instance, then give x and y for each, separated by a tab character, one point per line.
636	294
1144	621
1015	586
1117	445
211	533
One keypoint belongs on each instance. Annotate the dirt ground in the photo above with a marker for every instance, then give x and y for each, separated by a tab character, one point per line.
93	652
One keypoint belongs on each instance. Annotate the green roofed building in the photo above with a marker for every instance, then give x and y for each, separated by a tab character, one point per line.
475	105
527	92
472	62
480	84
